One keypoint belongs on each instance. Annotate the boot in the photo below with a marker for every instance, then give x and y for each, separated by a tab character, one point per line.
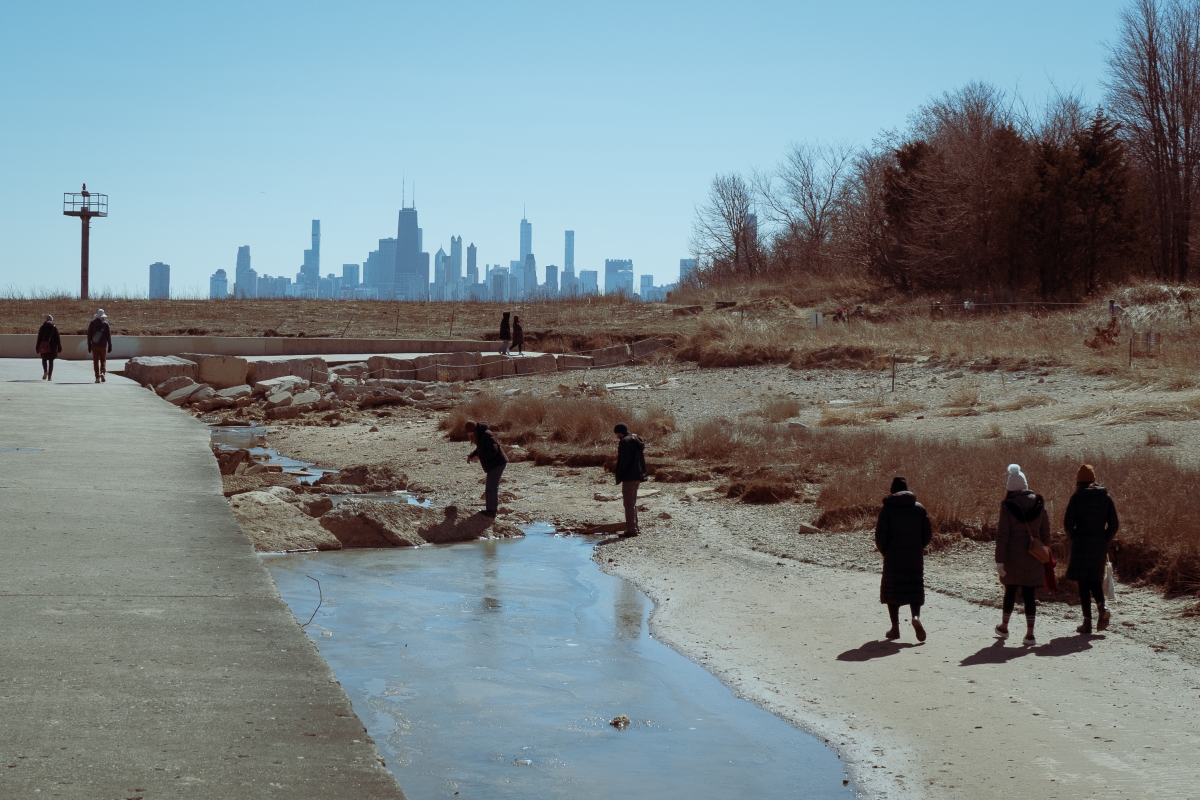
1086	627
1105	616
894	633
919	628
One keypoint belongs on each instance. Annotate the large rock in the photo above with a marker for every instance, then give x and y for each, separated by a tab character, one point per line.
611	356
285	383
235	392
273	524
368	477
220	372
257	371
184	395
389	367
355	371
153	370
494	365
172	385
377	524
307	397
529	365
240	484
204	393
569	362
458	366
279	400
455	528
312	368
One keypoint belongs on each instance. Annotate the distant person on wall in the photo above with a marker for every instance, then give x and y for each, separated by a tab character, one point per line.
901	534
100	342
1023	530
839	315
48	347
491	457
1091	523
505	334
518	335
858	313
630	472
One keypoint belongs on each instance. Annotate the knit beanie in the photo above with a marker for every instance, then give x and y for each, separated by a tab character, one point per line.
1086	474
1016	479
899	485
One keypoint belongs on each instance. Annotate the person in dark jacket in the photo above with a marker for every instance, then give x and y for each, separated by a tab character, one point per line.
492	459
100	342
1091	523
518	333
901	534
630	472
505	334
1023	518
49	345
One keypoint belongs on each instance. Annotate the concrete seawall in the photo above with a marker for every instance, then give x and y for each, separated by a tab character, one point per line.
146	649
23	345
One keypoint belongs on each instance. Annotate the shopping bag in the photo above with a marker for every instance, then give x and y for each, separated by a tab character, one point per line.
1051	578
1110	587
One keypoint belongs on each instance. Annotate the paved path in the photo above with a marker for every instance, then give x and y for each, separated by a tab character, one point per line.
144	650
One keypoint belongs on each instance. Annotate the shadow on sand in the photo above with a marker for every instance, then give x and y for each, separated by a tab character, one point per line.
997	653
875	649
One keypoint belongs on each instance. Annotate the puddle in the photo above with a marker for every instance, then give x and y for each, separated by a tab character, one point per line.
492	669
254	439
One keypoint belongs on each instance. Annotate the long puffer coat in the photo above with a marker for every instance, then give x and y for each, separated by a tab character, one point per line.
1022	517
901	534
1091	523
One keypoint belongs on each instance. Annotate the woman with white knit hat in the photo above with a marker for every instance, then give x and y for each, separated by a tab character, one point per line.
1023	529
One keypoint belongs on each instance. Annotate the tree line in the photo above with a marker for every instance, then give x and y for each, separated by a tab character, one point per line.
983	196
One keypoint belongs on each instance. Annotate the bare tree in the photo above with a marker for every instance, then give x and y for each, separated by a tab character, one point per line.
1154	93
725	232
804	195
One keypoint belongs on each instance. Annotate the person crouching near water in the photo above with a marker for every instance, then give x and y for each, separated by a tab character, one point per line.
49	345
630	472
491	457
901	534
1023	519
1091	523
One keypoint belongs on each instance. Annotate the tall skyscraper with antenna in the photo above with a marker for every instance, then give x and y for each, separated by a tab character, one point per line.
526	238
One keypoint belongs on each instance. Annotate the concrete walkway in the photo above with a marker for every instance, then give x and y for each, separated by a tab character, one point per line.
144	650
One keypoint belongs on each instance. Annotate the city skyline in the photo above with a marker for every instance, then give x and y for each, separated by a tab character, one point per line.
221	132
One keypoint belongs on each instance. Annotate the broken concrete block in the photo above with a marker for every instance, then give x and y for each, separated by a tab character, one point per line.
173	384
388	367
266	370
306	397
493	365
202	394
611	356
286	383
279	400
220	372
349	370
648	347
181	396
312	368
569	362
529	365
154	370
235	392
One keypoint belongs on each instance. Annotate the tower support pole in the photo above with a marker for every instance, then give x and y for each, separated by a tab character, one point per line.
83	257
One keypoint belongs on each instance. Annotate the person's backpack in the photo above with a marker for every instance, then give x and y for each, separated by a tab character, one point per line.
98	337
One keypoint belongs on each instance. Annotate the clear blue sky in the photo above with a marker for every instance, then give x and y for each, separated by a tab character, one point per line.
217	124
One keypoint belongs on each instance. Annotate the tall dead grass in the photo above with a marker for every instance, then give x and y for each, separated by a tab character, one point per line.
580	421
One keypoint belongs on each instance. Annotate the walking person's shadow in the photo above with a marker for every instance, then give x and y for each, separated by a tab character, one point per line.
874	649
997	653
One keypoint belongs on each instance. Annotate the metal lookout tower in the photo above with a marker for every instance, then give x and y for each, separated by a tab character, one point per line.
84	205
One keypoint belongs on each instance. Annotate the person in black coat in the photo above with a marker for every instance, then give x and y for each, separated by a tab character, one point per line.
49	345
1091	523
491	457
100	343
630	472
518	335
505	334
901	534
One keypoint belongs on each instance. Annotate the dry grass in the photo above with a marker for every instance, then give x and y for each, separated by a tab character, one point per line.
1039	436
777	409
993	432
964	396
1022	402
1156	438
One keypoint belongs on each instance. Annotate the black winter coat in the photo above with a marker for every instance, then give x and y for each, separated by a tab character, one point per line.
518	332
901	534
491	454
1091	523
631	459
105	338
49	333
505	333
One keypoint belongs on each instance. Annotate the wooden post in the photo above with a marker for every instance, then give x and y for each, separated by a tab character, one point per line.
893	372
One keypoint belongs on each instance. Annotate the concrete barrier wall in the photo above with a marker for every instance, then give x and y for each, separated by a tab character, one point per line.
22	345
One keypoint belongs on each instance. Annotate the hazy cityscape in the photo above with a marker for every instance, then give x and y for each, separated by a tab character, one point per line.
399	269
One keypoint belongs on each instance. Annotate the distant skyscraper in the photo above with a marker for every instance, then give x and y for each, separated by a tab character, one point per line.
160	281
618	276
526	239
455	268
243	286
499	289
472	265
312	257
686	267
552	280
218	286
529	284
411	263
588	281
440	261
388	274
647	287
569	252
350	275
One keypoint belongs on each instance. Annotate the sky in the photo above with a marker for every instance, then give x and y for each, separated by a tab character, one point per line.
219	124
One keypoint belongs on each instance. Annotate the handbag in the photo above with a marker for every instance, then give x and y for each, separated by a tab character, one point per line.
44	348
1051	584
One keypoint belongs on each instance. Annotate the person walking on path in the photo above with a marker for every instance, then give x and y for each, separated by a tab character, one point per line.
1024	528
630	472
1091	523
100	342
518	335
49	345
901	534
505	334
492	459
